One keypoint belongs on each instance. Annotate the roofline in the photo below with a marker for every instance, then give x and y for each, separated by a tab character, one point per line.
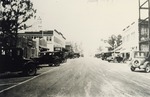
43	32
128	26
59	33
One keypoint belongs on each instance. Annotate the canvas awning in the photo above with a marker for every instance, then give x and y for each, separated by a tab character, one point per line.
43	47
125	51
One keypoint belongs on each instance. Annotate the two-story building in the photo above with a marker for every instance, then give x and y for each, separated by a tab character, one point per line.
46	40
130	40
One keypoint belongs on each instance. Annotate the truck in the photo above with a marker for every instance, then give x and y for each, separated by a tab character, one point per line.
12	60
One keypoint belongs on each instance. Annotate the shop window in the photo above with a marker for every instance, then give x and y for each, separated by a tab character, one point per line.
47	38
50	39
144	33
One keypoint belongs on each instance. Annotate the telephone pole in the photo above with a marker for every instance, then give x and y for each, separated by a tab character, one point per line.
144	25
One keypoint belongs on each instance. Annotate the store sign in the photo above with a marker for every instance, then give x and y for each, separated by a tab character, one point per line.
57	49
29	43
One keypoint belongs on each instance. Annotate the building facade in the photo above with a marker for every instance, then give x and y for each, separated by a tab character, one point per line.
144	37
130	41
28	46
46	40
130	38
144	25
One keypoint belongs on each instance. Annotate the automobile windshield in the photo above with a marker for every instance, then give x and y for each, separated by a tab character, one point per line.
141	54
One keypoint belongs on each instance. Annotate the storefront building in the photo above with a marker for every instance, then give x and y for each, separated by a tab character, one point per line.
130	41
46	40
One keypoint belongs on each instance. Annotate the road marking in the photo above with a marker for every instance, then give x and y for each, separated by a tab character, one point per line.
7	84
87	89
24	81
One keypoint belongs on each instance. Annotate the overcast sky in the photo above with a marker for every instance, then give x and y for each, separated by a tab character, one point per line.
87	21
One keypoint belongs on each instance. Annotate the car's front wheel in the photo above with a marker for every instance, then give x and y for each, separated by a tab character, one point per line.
132	68
30	70
57	64
147	69
50	64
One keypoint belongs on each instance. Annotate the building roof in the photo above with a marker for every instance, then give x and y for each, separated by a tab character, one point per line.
59	33
51	32
38	32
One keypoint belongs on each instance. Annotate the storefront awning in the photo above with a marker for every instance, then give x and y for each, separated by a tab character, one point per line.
43	47
125	51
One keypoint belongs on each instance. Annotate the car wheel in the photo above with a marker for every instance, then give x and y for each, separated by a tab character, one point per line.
57	64
132	68
65	60
50	64
30	70
147	69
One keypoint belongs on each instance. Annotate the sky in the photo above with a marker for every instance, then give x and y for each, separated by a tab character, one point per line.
87	21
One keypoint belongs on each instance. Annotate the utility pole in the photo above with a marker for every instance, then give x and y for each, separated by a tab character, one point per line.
40	25
149	23
1	15
144	23
0	10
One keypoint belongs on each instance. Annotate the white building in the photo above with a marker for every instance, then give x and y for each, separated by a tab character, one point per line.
130	38
51	39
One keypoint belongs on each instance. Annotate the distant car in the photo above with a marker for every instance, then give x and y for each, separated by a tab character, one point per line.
48	57
119	59
110	59
76	55
98	55
62	56
105	55
140	60
82	55
12	60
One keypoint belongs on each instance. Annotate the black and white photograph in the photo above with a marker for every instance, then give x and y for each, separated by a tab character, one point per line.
74	48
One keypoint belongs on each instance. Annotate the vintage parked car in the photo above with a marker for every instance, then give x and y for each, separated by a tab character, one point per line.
76	55
48	57
114	59
110	59
12	60
140	60
105	55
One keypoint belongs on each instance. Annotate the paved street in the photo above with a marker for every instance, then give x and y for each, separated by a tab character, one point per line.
82	77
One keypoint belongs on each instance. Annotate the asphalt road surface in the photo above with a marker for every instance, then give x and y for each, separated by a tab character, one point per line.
83	77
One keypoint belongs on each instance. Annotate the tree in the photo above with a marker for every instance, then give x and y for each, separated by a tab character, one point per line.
119	40
115	41
112	40
15	13
100	48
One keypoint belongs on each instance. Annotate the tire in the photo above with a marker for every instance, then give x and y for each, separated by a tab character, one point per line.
132	68
108	60
147	69
65	60
50	64
57	64
136	63
30	69
119	61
